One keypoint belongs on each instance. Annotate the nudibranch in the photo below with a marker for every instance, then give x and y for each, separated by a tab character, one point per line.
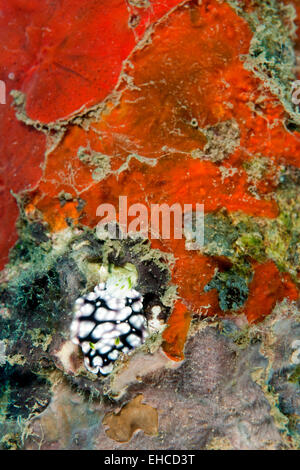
108	321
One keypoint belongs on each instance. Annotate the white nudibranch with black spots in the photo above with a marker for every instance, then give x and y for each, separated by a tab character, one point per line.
107	322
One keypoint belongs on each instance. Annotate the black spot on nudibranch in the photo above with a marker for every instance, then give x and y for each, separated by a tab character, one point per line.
106	325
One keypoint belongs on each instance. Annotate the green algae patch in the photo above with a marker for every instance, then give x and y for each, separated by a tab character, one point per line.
294	377
242	239
235	236
239	240
282	234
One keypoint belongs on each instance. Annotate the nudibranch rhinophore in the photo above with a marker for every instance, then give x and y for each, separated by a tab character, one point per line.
107	323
